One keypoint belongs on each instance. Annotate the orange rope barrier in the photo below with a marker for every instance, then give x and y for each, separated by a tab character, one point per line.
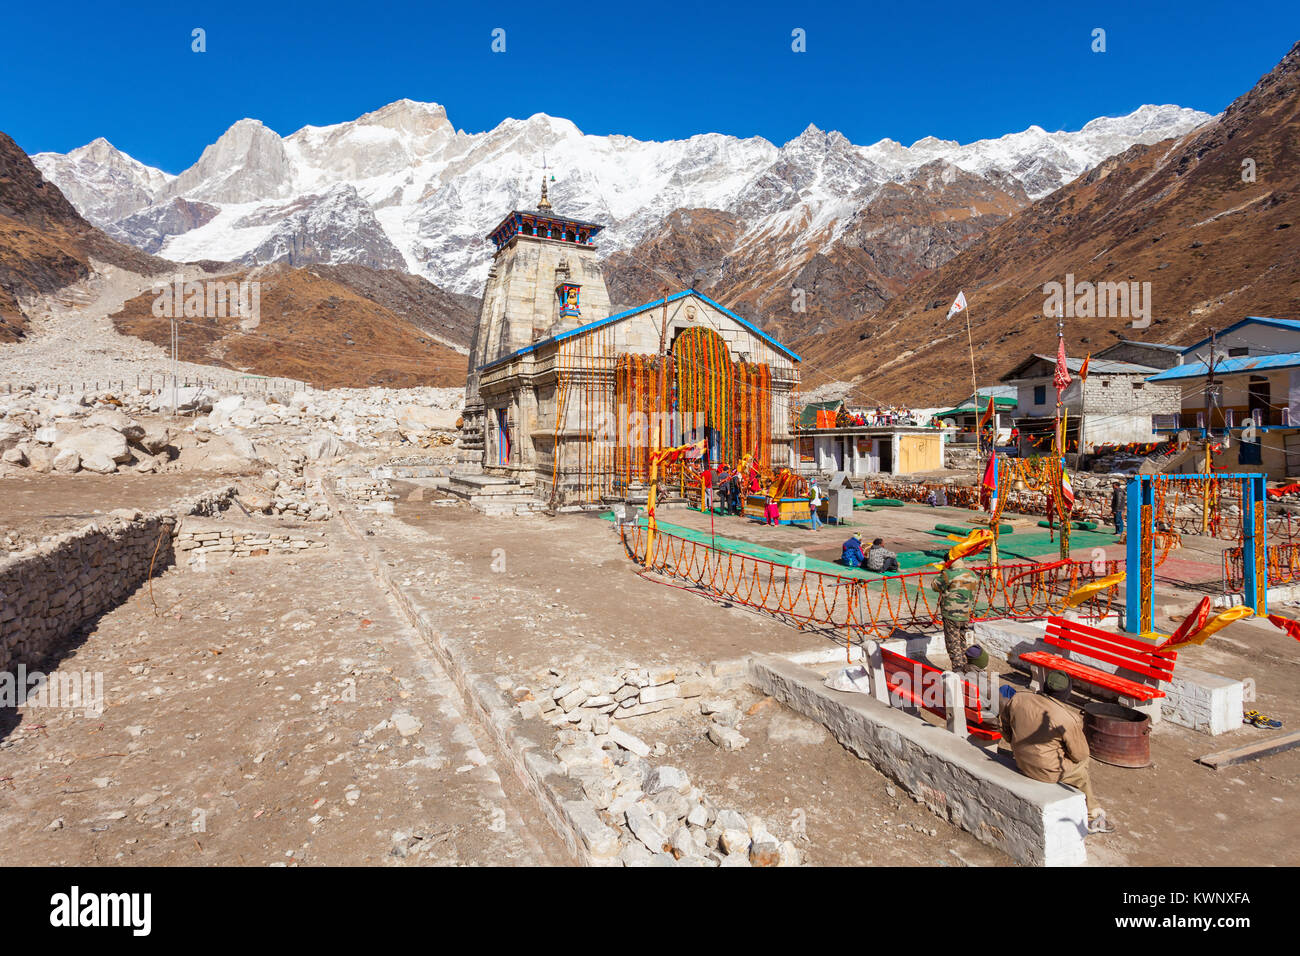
815	598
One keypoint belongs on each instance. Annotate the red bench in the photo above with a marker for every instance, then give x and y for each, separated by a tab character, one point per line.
1128	653
920	685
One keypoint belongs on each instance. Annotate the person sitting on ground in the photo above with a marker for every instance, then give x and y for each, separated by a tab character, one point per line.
851	552
932	499
1047	740
941	497
880	558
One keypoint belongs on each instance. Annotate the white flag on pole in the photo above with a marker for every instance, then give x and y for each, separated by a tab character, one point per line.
958	304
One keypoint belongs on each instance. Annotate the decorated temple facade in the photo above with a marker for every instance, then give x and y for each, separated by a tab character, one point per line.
573	416
564	401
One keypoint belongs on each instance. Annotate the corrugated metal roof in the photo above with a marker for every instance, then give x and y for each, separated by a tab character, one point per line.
964	409
1293	324
1231	366
1104	366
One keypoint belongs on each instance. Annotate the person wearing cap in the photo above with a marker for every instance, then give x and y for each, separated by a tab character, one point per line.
1048	743
880	558
851	552
956	585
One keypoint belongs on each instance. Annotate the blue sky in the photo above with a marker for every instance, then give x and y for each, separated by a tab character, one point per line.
70	72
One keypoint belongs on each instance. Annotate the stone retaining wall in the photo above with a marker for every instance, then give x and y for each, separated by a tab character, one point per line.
201	540
47	592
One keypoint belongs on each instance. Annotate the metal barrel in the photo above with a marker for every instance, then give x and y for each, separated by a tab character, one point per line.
1117	735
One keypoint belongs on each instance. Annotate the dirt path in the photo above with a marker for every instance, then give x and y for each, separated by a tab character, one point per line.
278	713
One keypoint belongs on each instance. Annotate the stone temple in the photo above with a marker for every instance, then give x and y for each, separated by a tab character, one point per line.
563	398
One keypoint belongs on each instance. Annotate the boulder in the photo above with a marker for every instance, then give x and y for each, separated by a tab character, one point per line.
15	456
423	418
155	438
67	461
224	408
323	445
116	420
40	458
219	454
101	443
11	435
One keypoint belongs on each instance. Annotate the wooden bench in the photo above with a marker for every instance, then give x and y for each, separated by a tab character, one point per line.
1128	653
903	675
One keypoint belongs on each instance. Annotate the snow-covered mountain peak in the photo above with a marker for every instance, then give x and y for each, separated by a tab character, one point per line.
403	177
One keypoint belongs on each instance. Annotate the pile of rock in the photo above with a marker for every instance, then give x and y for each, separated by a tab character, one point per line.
637	814
592	702
298	497
365	489
71	435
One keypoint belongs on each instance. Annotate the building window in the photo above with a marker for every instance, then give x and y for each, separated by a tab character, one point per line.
1040	394
1239	350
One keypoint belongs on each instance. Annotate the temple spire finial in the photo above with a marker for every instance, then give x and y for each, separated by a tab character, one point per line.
544	203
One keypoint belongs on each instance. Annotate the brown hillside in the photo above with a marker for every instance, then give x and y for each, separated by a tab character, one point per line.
906	230
44	244
1177	214
312	328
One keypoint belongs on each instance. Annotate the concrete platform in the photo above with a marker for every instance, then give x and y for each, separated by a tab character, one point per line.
1041	824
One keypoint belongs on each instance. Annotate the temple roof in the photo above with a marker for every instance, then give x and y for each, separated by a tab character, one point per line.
599	323
525	221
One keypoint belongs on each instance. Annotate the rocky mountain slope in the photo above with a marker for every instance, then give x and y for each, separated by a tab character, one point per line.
44	243
432	192
1211	220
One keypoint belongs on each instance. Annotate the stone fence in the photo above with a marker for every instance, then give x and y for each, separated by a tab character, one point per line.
200	540
49	591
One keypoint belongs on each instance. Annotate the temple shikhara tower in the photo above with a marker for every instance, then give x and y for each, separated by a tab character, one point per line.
562	398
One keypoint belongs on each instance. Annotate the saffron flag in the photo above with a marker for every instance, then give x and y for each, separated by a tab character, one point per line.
1067	491
986	417
1083	369
1062	377
958	304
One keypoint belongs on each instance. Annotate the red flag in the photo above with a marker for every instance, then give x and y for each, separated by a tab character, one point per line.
1286	624
988	481
1062	377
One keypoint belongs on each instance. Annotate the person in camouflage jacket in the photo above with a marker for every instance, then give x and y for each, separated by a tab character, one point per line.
957	585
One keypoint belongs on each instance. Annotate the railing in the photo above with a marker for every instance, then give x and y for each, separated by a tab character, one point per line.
863	607
250	385
1283	567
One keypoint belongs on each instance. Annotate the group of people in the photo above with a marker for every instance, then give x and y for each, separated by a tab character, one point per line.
725	488
875	558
